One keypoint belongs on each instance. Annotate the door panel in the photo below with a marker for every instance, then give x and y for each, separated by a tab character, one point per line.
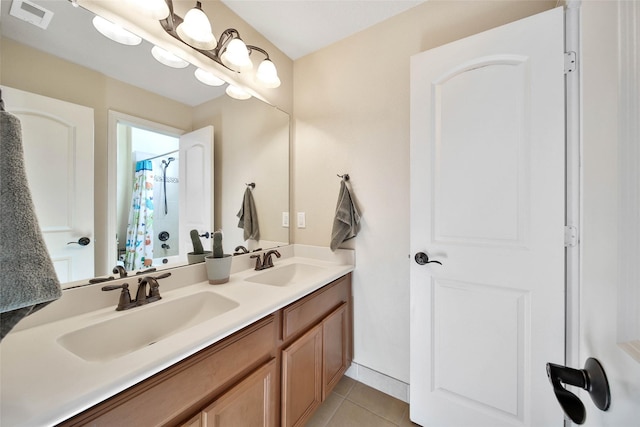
494	189
57	139
196	188
487	200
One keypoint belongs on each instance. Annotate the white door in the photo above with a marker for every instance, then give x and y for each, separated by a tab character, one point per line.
487	201
196	188
57	137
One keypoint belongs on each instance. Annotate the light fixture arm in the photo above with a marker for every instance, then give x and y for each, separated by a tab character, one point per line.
170	24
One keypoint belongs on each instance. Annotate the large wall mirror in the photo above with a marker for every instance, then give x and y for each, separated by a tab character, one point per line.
72	62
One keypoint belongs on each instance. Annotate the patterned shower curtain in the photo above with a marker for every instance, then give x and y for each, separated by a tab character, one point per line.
139	245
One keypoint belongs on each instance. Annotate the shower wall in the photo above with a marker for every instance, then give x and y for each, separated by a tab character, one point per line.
166	221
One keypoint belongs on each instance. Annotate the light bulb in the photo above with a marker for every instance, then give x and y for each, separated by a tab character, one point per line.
267	74
155	9
237	93
208	78
167	58
195	30
115	32
236	55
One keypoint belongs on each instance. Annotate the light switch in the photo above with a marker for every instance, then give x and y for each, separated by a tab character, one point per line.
285	219
302	222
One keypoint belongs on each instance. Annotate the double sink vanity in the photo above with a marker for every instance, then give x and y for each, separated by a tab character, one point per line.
263	349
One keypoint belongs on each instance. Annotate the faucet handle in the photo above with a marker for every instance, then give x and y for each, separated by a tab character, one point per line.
258	262
125	296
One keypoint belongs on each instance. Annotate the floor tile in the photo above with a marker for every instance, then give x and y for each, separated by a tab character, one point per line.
377	402
406	422
351	415
325	411
344	386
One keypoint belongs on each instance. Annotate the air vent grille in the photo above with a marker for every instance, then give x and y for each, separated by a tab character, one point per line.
31	13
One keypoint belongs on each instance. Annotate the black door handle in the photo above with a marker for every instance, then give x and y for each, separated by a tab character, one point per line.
592	378
422	259
83	241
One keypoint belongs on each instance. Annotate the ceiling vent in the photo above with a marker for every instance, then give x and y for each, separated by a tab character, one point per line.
31	12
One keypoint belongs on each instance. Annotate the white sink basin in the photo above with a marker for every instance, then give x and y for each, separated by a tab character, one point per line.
143	326
286	275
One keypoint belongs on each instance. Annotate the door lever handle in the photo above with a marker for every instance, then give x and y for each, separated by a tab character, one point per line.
422	259
592	378
83	241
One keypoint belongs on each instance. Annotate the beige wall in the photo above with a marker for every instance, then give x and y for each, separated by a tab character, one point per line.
351	114
22	68
252	145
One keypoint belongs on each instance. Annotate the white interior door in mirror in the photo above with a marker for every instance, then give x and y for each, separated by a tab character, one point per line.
57	137
196	187
487	200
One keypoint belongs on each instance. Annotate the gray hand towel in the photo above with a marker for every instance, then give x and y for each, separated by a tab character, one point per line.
249	217
28	280
346	223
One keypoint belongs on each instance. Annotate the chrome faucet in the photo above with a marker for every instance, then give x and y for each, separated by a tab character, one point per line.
267	261
142	297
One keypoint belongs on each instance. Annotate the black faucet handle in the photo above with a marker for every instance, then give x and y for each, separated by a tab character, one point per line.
148	270
162	276
125	297
258	262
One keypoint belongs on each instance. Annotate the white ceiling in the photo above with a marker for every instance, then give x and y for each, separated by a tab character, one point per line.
300	27
296	27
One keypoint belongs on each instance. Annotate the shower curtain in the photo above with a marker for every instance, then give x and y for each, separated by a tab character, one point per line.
139	245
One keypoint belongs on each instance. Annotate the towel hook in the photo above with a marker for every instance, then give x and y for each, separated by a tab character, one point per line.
252	185
345	176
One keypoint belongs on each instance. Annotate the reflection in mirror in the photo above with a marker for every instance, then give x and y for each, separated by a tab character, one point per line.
251	137
148	195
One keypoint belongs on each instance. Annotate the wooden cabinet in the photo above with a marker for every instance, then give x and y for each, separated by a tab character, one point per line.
180	391
275	371
313	363
302	378
250	403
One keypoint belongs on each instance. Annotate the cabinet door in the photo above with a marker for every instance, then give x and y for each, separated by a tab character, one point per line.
250	403
302	378
334	348
194	422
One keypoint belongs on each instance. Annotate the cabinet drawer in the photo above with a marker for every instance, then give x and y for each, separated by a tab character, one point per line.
299	316
181	389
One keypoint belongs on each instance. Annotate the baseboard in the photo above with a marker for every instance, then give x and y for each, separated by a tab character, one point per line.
379	381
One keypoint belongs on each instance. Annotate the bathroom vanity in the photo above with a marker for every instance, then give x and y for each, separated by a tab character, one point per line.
278	344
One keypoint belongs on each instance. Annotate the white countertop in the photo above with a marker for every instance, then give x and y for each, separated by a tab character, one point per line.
42	383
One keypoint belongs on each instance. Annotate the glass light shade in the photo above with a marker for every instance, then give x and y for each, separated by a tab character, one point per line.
115	32
195	30
208	78
267	74
236	55
237	93
156	9
167	58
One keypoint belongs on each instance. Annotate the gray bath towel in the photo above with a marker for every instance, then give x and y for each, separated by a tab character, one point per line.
346	223
249	217
28	280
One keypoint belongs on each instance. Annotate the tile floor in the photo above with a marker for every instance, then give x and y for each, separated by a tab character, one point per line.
353	404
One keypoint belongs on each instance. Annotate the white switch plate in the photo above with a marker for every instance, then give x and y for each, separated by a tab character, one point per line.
302	222
285	219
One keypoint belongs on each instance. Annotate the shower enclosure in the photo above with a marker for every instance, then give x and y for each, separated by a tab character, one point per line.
148	198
